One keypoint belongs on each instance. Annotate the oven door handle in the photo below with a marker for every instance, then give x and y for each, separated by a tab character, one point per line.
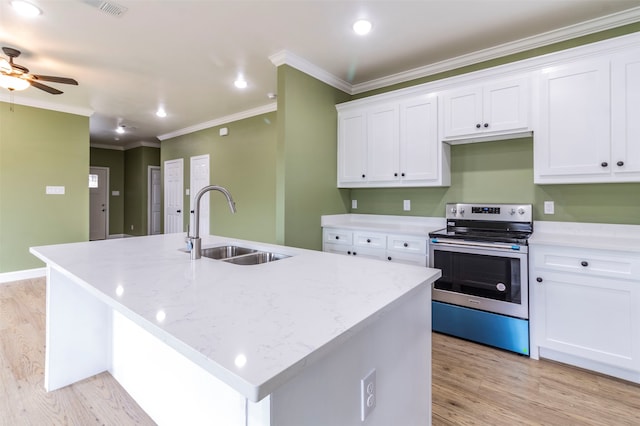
448	241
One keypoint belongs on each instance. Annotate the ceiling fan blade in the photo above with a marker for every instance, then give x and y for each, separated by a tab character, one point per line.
54	79
45	88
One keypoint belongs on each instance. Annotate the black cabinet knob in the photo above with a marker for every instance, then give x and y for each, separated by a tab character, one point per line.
349	252
354	253
478	126
539	279
604	164
620	163
486	125
193	211
584	263
363	176
406	244
178	211
368	240
337	237
388	257
395	175
402	175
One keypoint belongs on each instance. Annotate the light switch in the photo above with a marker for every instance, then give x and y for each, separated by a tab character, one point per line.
115	193
354	204
54	190
406	205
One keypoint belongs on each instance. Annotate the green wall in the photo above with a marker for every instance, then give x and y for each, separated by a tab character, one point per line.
136	165
244	163
114	160
307	157
502	172
38	148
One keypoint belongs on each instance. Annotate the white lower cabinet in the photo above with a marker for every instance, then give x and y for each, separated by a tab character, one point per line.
585	308
375	245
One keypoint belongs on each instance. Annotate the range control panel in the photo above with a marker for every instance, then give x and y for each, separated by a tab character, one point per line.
496	212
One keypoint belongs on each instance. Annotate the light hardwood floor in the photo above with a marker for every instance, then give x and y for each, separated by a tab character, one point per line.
472	384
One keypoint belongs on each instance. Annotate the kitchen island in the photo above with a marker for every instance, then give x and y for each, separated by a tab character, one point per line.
211	342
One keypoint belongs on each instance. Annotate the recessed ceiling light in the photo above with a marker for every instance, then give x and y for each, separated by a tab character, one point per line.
25	8
120	130
161	112
240	83
362	27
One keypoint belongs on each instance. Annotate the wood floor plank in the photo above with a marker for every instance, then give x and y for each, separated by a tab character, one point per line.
472	384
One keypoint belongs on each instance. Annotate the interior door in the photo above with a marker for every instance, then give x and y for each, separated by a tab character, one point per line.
173	200
98	202
199	179
153	195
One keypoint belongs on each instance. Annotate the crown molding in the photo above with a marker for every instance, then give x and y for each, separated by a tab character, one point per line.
126	147
563	34
285	57
12	98
222	120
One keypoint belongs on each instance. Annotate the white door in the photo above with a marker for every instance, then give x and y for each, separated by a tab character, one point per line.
173	200
153	197
98	203
200	179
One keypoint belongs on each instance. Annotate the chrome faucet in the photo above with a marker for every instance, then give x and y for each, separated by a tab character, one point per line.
194	241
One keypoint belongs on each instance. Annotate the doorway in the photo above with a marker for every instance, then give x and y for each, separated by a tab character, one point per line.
153	200
173	198
199	178
98	203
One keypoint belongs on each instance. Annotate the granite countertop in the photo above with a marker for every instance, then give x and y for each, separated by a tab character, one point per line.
406	225
587	235
252	326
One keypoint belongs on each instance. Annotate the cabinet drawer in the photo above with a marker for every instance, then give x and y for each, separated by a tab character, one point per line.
587	261
338	236
408	258
407	244
370	239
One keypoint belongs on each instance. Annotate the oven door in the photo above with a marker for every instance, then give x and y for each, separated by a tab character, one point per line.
482	276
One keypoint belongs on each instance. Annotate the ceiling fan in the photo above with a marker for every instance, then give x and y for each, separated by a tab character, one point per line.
16	77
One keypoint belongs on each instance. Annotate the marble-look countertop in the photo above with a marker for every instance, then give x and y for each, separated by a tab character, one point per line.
587	235
252	326
405	225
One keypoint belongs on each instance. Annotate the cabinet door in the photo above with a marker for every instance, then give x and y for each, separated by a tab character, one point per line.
572	137
419	145
592	318
462	112
352	147
383	138
506	106
625	116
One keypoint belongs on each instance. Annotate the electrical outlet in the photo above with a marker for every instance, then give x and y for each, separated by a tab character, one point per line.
367	394
549	207
132	227
354	204
406	205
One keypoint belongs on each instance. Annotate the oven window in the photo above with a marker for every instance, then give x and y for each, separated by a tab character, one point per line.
492	277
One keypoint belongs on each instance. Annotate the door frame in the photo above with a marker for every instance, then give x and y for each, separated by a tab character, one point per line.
106	204
149	192
204	219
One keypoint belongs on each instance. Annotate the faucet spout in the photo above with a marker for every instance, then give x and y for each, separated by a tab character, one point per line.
195	239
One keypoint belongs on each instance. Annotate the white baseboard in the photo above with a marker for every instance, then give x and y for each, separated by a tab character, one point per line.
111	236
6	277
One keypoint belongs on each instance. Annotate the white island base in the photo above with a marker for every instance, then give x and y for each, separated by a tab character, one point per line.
173	389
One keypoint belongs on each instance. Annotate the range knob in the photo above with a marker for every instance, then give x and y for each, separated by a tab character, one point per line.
520	211
461	211
454	210
512	212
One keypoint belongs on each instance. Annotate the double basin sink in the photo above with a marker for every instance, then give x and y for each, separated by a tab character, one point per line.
240	255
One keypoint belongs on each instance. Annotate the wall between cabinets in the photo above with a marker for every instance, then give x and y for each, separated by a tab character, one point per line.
502	172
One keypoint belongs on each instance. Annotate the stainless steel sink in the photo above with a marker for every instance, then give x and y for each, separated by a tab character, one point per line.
256	258
225	252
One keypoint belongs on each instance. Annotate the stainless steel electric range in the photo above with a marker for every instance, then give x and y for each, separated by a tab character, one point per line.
483	294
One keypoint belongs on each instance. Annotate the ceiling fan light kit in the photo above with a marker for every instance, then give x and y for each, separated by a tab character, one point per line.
16	77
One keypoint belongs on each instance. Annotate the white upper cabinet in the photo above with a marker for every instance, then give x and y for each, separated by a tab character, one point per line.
496	107
625	116
391	143
587	127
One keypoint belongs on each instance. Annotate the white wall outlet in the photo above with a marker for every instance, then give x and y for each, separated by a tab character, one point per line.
54	190
406	205
132	227
354	204
186	191
115	193
368	394
549	207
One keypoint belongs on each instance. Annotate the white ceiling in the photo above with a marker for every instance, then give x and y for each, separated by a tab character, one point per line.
184	55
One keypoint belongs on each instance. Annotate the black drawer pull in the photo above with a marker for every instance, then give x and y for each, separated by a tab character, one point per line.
406	244
337	237
368	240
584	263
539	279
478	126
389	258
604	164
486	125
620	163
349	252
